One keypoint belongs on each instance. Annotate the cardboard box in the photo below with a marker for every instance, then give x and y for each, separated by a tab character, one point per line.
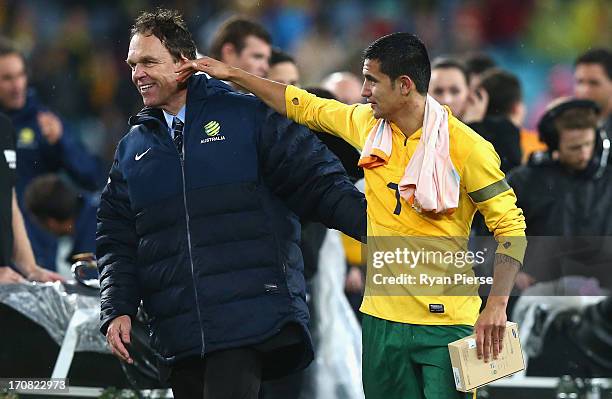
471	373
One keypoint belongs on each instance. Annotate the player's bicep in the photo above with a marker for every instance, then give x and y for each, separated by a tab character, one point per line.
329	116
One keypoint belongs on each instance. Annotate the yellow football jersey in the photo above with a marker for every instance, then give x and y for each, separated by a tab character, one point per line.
482	187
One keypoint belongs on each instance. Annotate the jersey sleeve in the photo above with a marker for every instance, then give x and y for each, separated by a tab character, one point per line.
486	186
349	122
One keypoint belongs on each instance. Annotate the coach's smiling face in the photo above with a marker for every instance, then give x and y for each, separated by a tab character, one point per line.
153	73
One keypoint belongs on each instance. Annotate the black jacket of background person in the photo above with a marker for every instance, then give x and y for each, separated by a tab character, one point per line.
7	182
505	137
211	244
559	203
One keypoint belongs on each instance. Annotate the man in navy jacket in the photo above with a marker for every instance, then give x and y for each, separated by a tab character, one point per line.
64	212
200	221
43	145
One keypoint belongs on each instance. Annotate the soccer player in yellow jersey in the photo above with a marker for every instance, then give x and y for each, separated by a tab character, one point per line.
405	337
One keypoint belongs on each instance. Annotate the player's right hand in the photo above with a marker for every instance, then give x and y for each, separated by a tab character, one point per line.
118	336
214	68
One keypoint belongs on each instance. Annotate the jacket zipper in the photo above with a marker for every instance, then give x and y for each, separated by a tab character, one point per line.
195	288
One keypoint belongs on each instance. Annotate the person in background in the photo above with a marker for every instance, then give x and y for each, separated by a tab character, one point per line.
243	43
345	87
476	64
566	193
450	84
497	114
15	246
593	74
283	68
44	145
503	115
63	211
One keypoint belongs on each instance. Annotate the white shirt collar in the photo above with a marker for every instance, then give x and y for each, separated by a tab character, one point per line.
169	117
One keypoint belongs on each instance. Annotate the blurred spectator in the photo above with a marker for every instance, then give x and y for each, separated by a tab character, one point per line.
283	68
14	244
449	84
344	86
62	211
594	82
43	144
243	43
504	114
476	64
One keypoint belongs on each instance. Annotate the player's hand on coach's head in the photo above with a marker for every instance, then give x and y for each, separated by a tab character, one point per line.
118	336
214	68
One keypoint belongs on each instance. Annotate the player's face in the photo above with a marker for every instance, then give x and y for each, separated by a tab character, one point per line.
576	148
592	83
13	82
153	71
448	86
383	96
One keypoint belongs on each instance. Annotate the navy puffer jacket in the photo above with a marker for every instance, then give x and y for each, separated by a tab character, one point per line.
210	243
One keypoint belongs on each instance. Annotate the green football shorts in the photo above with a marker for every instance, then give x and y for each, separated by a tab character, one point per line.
408	361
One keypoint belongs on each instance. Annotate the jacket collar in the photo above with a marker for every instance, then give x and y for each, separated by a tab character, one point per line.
197	88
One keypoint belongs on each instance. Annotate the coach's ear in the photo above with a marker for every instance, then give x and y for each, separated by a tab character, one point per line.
405	84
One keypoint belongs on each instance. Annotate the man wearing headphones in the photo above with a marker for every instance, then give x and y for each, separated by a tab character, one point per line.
567	191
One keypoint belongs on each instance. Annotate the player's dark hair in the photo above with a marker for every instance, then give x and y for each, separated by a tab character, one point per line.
402	54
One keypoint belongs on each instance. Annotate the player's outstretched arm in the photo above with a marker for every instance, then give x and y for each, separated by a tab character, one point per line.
319	114
272	93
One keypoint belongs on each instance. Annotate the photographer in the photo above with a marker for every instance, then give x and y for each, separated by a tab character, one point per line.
566	192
